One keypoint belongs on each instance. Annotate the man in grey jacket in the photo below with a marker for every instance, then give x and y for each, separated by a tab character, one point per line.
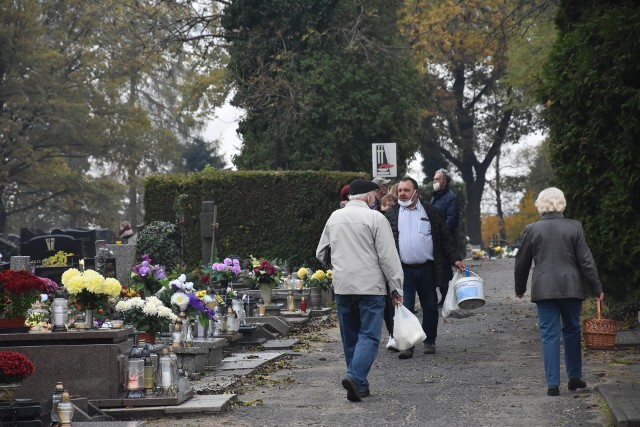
364	261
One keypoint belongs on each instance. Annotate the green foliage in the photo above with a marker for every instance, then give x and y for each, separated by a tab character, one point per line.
320	82
265	214
160	240
591	89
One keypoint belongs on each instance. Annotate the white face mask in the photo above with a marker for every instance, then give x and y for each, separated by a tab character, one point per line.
436	186
408	202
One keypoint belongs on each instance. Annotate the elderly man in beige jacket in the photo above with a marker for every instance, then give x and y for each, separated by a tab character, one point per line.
364	261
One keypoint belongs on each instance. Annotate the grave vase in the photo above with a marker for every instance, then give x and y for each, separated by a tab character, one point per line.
265	293
315	299
88	318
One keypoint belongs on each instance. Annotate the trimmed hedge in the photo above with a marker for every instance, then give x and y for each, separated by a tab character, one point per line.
267	214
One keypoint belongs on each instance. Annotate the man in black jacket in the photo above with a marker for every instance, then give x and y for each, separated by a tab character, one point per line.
426	250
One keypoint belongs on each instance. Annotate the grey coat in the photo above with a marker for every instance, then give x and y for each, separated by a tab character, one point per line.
563	261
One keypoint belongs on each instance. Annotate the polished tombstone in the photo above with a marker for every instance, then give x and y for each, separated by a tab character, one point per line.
91	363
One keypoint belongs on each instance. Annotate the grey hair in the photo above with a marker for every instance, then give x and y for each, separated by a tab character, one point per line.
551	200
447	175
362	196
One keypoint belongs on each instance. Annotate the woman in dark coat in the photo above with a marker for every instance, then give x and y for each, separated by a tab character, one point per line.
563	267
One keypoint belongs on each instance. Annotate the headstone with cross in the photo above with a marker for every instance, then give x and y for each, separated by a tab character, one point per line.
208	227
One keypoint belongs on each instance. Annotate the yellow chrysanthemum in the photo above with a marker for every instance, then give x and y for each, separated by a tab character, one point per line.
94	283
112	287
70	273
74	284
330	274
302	273
318	275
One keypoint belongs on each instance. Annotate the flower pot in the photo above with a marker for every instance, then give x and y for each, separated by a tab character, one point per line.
265	293
327	297
9	391
13	325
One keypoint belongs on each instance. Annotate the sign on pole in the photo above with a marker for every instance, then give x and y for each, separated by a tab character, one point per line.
383	159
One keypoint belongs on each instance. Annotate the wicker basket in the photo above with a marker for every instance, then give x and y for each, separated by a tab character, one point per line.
599	333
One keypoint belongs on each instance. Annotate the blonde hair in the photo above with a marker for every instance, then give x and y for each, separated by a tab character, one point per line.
551	200
394	190
389	198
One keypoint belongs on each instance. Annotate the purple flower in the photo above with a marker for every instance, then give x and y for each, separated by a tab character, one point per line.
195	302
227	261
159	273
144	270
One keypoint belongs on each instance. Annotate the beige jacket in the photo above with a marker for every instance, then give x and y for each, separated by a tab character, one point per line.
363	252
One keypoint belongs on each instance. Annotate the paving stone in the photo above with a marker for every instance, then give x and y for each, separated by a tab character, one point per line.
247	361
624	402
628	338
108	423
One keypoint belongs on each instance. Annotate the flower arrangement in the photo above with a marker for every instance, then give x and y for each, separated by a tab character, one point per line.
19	289
147	279
14	367
319	279
147	315
264	273
90	290
181	295
226	270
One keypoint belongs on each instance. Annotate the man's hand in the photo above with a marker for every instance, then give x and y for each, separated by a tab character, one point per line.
460	265
396	298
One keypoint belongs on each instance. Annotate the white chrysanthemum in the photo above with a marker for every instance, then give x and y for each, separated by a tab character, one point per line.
180	299
207	299
122	305
136	302
154	300
150	309
166	312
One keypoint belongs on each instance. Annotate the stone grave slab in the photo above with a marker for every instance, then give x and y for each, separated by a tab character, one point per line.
245	363
41	247
280	344
109	423
215	348
276	323
319	312
192	359
199	404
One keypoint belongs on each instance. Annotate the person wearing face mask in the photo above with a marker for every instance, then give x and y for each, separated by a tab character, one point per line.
364	262
444	199
426	251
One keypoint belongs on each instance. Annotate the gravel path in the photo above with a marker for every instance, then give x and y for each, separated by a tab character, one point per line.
487	372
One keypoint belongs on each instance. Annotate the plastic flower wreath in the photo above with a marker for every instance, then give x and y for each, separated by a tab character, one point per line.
226	270
90	290
14	367
147	279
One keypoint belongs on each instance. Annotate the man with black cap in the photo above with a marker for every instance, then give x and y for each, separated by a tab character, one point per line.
364	260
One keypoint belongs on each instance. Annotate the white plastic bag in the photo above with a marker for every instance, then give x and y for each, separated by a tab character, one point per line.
407	330
450	306
451	302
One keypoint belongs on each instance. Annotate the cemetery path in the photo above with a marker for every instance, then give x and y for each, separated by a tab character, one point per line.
487	371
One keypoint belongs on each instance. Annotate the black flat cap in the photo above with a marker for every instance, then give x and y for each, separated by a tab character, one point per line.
361	186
